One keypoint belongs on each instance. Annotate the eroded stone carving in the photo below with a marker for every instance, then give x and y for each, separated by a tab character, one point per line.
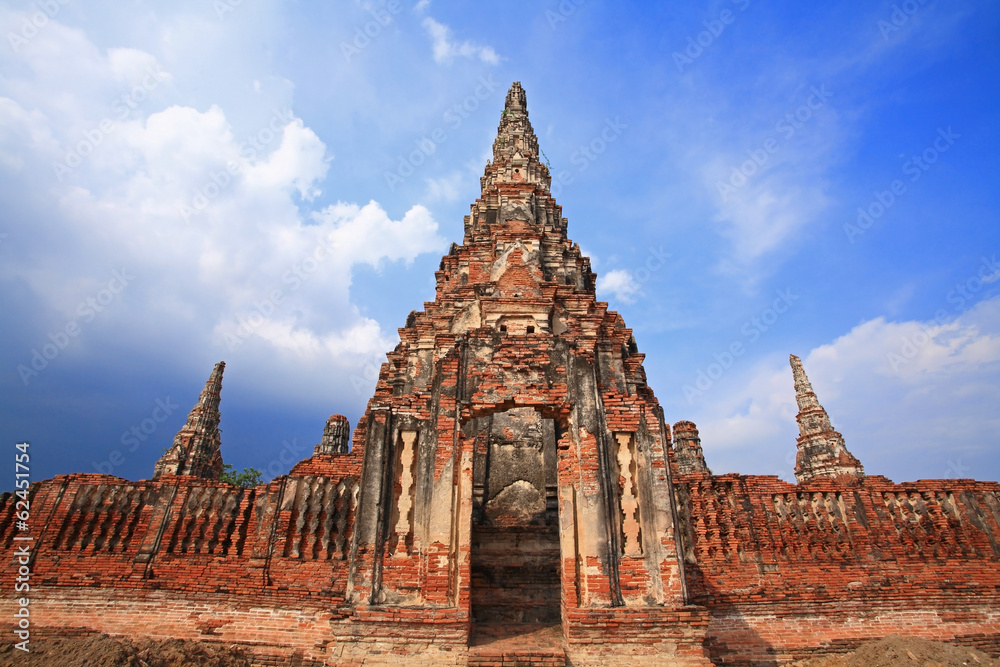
404	524
630	501
822	452
196	446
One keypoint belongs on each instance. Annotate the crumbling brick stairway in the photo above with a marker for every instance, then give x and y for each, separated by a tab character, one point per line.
512	645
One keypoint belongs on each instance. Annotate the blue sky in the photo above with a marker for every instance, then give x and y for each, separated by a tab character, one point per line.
809	178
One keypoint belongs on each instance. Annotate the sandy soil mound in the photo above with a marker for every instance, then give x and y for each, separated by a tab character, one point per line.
101	650
897	651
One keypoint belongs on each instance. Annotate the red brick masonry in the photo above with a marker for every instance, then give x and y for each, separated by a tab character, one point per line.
513	481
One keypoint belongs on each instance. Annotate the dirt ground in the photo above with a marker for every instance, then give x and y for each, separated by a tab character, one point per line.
104	651
896	651
101	650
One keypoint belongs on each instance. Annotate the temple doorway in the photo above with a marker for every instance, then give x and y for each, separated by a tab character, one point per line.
515	554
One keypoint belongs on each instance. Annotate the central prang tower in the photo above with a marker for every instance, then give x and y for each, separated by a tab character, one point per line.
514	459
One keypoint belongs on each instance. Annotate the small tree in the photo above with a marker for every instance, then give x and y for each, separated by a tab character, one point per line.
248	478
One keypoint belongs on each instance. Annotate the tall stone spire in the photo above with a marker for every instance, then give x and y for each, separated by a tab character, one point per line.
196	446
336	436
821	449
518	235
687	449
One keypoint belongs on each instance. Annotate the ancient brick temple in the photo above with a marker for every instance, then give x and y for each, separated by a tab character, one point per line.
514	494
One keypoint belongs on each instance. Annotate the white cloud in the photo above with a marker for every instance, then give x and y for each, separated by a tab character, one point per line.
22	132
764	197
363	339
618	282
177	142
298	162
902	393
445	49
762	218
250	248
131	66
421	6
367	235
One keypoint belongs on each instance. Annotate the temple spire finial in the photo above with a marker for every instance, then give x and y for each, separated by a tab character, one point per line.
822	452
515	150
516	99
196	448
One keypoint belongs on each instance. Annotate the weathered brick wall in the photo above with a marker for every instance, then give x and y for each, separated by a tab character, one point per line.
636	636
778	571
765	633
288	539
276	634
790	568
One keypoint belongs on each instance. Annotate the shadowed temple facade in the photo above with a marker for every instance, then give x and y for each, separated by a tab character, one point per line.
514	494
